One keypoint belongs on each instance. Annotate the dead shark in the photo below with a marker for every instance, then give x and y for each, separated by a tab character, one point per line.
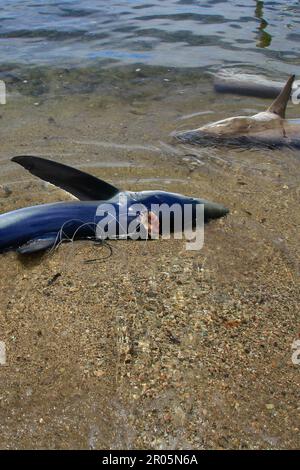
99	211
268	128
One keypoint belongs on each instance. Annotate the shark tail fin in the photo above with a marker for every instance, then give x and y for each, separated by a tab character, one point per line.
279	105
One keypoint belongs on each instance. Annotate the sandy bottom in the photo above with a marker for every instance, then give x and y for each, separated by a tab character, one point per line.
151	346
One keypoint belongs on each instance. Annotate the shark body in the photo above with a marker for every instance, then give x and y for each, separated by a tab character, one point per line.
41	227
268	128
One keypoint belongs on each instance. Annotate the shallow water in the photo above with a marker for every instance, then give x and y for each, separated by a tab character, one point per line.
154	347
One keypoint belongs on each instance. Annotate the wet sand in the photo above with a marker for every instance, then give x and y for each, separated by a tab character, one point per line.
151	346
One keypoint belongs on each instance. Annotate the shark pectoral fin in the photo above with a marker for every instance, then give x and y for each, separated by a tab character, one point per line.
279	105
38	244
82	185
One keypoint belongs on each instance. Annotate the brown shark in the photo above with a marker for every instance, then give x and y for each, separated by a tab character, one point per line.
268	128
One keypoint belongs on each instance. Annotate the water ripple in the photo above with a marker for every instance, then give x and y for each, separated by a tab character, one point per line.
209	33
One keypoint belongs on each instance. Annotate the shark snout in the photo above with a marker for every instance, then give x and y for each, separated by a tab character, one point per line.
188	136
214	210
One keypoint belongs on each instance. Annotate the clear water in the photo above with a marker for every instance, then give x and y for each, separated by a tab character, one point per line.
101	85
172	33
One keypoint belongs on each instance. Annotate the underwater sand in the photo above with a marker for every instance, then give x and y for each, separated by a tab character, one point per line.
151	346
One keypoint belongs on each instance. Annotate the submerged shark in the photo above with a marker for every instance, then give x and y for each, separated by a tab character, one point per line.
98	203
268	128
246	84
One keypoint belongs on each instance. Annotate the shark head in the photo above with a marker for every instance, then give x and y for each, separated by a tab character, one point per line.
187	205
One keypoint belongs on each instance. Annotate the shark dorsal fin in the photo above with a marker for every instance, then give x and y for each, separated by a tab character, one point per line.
279	105
82	185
